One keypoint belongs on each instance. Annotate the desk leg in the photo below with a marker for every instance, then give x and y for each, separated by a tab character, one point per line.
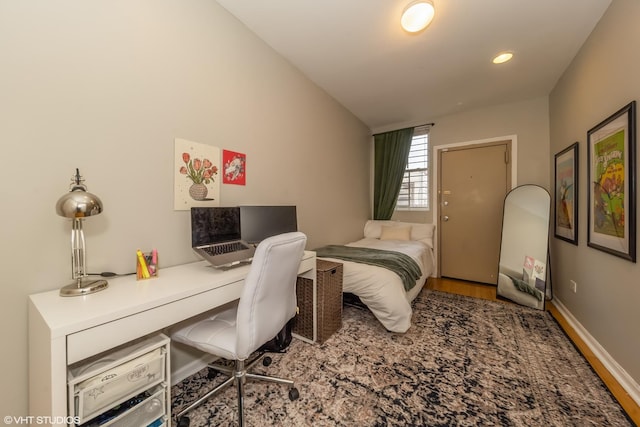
47	372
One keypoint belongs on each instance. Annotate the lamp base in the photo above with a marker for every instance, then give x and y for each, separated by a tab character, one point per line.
83	286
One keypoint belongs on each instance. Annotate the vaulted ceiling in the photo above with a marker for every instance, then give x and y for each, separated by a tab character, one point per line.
357	52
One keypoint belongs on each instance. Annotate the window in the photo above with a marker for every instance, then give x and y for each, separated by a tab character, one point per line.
414	192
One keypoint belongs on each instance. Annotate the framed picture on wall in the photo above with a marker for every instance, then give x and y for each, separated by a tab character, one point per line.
195	173
566	194
612	184
234	166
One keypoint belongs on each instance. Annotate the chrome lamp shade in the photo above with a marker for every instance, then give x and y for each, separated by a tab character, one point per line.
78	204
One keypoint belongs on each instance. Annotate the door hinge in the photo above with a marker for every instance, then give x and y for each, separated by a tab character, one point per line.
506	156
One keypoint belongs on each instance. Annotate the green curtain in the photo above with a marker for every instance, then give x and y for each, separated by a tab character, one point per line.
391	150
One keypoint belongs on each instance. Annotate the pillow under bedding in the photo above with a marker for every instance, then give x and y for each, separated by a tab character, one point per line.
395	233
419	231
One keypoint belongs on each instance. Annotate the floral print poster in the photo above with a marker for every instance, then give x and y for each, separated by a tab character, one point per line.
234	167
611	162
609	186
566	194
196	175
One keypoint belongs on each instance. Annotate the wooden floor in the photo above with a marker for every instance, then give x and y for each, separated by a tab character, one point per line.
476	290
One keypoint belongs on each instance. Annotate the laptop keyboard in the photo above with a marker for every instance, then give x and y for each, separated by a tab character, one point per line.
225	248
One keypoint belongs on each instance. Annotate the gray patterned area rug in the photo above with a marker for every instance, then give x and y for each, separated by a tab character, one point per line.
464	362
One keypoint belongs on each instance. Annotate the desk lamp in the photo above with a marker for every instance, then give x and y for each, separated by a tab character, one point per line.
78	204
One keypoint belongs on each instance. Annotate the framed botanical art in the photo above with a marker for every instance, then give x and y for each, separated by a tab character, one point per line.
195	173
566	194
612	184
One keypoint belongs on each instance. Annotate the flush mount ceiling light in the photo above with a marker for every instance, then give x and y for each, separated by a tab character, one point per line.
502	58
417	16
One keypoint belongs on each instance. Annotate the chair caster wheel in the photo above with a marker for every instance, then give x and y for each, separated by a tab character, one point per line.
184	422
294	394
211	374
266	361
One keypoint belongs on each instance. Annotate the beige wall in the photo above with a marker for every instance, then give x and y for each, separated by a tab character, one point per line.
106	86
528	120
601	79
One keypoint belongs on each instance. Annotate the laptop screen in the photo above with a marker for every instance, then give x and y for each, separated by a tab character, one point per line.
214	225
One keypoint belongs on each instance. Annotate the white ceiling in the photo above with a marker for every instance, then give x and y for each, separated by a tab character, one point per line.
357	52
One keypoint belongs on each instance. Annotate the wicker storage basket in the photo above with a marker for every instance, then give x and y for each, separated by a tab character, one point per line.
328	305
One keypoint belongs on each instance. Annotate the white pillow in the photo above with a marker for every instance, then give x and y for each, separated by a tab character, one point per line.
419	231
400	232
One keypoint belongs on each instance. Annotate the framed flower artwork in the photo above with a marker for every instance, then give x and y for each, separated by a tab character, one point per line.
612	184
566	194
234	167
196	181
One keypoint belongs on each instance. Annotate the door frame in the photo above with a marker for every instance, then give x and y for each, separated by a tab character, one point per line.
435	196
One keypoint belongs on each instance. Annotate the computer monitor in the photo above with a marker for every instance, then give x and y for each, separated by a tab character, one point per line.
259	222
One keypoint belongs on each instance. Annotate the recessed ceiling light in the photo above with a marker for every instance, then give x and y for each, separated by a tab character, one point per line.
503	57
417	16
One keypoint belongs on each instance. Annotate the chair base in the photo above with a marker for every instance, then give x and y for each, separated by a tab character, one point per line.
239	376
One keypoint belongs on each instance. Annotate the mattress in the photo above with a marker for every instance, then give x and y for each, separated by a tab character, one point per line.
381	289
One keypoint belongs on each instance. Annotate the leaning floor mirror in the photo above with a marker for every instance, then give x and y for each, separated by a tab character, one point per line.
522	272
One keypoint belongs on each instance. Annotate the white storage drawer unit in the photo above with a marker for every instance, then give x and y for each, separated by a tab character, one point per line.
150	408
128	386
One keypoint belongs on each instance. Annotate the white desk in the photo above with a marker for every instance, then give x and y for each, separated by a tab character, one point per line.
65	330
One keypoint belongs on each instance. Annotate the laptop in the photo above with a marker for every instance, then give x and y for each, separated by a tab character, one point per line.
216	237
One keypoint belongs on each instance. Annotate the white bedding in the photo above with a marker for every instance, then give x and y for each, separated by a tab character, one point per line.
381	289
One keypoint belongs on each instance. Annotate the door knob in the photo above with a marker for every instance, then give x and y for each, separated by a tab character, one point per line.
445	218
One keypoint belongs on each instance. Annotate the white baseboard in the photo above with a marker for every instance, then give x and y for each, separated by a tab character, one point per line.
627	383
191	368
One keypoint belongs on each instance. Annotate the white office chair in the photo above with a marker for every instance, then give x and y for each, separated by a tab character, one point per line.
267	303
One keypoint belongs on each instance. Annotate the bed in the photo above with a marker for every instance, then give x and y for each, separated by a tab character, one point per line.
387	293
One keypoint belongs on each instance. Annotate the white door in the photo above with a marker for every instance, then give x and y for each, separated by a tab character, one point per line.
473	183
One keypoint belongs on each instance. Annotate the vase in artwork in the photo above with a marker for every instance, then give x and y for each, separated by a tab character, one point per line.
198	191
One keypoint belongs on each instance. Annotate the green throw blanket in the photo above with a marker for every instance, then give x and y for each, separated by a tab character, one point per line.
524	287
401	264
